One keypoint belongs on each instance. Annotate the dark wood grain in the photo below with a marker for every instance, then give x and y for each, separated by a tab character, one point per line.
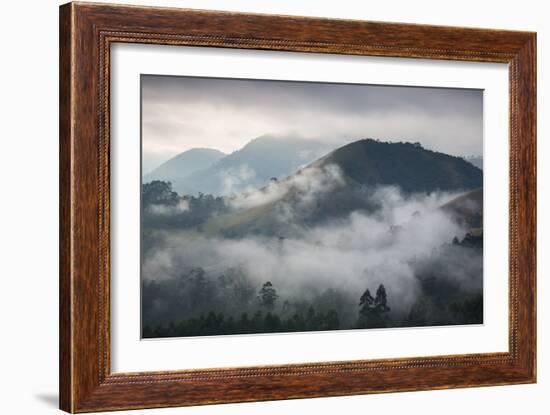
65	245
86	33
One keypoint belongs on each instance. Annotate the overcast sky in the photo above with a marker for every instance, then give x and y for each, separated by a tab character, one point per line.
180	113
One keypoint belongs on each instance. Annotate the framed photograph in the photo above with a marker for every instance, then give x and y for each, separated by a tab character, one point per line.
259	207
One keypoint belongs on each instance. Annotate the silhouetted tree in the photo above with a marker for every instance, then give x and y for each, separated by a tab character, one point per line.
366	302
268	295
372	310
158	192
381	300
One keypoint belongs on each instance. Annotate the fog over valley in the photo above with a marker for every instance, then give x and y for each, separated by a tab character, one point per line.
371	234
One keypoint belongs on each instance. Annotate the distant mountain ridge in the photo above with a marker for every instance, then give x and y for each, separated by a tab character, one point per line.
185	164
366	162
475	160
341	182
262	159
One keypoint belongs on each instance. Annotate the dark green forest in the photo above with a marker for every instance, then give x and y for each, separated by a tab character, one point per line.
197	305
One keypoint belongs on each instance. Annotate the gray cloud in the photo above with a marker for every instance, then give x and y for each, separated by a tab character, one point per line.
180	113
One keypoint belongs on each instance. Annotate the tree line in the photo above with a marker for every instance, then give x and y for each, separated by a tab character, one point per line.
266	315
164	208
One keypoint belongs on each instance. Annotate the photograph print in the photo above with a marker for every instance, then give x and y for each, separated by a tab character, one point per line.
284	206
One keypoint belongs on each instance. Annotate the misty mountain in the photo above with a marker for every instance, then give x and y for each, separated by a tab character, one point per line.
408	166
301	252
344	181
467	209
262	159
184	164
475	160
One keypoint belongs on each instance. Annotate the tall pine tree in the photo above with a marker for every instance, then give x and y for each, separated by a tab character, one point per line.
366	302
381	300
268	295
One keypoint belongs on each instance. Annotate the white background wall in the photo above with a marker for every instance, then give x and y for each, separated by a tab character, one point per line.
29	192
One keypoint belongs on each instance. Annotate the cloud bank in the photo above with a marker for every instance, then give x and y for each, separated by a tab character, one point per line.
351	254
180	113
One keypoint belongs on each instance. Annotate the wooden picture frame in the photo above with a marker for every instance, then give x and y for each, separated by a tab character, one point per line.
86	33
